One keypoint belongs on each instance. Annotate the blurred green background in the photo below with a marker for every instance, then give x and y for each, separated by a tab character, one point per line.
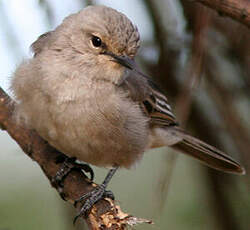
202	61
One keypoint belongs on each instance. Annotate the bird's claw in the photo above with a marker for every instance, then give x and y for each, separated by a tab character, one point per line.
68	165
91	198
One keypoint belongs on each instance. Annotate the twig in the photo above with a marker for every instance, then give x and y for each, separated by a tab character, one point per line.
162	38
89	2
105	214
46	6
194	69
238	10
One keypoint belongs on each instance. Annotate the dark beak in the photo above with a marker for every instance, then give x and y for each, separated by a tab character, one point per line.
123	60
126	62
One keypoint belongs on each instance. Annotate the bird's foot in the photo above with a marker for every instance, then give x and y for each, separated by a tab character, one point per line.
91	198
68	165
95	195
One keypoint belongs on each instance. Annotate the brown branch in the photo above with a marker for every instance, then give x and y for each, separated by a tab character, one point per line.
159	31
238	10
105	214
194	67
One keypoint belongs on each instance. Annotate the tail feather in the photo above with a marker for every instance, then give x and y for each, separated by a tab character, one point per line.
207	154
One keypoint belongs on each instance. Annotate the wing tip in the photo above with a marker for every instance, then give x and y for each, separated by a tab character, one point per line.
240	171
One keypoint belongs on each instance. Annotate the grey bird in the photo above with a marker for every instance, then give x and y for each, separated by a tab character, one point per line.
83	93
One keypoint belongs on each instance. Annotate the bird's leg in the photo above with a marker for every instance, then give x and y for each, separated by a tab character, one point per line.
69	164
95	195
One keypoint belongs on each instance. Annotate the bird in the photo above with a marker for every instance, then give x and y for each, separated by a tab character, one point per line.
83	92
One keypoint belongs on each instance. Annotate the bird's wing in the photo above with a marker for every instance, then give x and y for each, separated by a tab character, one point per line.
156	106
153	102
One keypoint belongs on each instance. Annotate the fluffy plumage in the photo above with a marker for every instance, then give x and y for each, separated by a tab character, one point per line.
92	102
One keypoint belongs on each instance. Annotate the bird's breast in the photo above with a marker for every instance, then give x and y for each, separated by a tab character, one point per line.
101	126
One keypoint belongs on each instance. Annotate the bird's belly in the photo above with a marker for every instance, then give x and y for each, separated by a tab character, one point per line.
111	132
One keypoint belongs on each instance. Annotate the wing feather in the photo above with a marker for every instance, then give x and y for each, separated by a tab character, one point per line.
153	102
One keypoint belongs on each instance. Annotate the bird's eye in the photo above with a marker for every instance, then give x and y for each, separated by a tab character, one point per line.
96	41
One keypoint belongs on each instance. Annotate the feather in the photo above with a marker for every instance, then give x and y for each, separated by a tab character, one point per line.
152	101
155	105
206	153
40	43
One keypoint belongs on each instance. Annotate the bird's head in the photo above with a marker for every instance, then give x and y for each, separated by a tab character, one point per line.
104	30
97	36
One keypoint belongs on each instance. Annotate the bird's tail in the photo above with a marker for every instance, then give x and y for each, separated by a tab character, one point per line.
207	154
